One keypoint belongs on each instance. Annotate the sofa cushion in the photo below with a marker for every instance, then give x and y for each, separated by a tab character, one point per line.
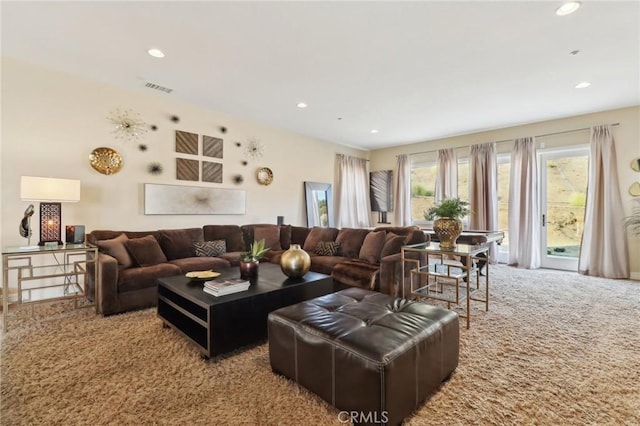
145	251
232	234
134	279
351	240
372	246
318	234
200	263
116	249
178	243
327	248
392	244
324	264
210	248
270	235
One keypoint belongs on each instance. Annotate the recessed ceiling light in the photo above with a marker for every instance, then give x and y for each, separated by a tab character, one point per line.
301	105
374	131
583	84
156	53
568	8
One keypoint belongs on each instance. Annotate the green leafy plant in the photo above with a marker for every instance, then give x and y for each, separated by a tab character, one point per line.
256	252
449	207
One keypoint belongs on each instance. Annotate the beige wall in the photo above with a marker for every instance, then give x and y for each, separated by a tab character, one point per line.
627	137
51	122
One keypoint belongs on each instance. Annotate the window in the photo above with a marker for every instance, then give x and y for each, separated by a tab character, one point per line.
423	185
463	179
504	171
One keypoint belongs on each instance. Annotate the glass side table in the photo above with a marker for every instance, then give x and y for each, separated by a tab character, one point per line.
433	275
59	270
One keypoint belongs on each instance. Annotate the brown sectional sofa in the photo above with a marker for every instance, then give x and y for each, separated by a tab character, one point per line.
129	263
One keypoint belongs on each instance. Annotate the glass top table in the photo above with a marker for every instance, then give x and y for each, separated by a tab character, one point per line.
446	274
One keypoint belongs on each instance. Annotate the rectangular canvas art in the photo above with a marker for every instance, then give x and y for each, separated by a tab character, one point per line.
176	199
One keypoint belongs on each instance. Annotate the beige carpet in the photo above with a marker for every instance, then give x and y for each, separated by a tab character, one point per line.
555	348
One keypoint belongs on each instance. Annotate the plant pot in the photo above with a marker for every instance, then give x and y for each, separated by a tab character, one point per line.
295	262
447	230
249	269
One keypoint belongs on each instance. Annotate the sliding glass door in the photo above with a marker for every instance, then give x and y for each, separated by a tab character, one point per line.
563	187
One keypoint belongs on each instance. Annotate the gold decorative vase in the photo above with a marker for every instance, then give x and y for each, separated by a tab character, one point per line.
295	262
447	230
249	269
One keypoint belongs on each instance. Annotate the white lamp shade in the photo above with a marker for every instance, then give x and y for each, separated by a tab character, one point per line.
49	189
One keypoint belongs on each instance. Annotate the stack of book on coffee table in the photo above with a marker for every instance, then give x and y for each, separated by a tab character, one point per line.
225	286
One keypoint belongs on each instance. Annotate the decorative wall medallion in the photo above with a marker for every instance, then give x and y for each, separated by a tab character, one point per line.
254	149
211	172
211	147
105	160
128	125
265	176
186	142
238	179
187	169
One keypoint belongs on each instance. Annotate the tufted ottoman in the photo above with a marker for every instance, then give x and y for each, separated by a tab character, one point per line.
371	355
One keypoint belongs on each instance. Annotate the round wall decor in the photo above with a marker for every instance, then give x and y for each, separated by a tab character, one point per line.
265	176
105	160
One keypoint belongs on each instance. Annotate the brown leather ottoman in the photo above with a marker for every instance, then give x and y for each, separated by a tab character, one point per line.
374	356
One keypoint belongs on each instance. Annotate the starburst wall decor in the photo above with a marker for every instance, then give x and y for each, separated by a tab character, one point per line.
254	149
128	125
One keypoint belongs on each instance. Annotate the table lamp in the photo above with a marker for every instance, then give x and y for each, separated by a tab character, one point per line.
50	192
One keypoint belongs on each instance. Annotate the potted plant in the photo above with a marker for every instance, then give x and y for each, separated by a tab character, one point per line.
250	260
448	224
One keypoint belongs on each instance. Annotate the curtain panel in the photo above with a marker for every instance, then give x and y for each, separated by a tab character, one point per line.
446	174
524	206
483	191
402	207
603	250
352	192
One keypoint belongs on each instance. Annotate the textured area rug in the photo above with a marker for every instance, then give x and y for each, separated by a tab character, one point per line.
554	348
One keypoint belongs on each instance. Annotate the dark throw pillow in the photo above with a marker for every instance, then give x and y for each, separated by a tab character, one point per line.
270	235
145	251
392	245
327	248
372	246
116	249
210	248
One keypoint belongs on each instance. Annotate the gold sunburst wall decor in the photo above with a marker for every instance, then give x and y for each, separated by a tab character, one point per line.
127	123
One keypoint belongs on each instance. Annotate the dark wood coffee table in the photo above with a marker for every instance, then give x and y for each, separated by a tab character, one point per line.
221	324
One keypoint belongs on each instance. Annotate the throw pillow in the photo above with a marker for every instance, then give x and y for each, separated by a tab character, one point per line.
115	248
210	248
372	246
327	248
392	245
270	235
145	251
318	234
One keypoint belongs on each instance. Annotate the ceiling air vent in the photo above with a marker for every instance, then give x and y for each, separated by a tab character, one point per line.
158	87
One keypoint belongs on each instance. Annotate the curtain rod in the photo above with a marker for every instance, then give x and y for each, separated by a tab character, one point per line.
512	139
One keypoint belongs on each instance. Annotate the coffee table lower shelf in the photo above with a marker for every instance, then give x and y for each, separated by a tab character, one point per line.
218	325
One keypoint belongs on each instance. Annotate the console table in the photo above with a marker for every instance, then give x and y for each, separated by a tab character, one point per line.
432	275
41	268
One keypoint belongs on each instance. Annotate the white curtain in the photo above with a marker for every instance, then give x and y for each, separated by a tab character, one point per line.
524	208
352	192
402	207
483	191
446	174
603	251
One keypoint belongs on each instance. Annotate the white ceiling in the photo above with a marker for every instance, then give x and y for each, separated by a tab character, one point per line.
416	71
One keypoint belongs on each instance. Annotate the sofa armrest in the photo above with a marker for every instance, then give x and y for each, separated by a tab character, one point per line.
391	274
106	284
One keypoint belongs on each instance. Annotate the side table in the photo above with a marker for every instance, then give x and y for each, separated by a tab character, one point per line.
41	268
443	280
